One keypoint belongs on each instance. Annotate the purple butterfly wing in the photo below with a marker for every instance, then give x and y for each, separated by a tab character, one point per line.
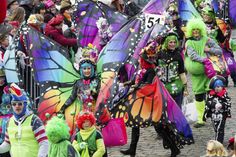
121	54
232	11
156	6
176	116
115	18
86	16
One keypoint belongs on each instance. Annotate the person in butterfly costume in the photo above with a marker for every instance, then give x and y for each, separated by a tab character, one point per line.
85	89
146	75
171	68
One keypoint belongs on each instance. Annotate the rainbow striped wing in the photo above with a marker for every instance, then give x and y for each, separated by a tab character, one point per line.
49	59
53	98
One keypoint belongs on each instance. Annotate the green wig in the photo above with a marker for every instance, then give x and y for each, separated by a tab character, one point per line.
197	3
57	130
169	38
209	11
196	23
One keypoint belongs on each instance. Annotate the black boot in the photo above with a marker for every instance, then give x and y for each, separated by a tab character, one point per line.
133	145
174	150
168	142
127	152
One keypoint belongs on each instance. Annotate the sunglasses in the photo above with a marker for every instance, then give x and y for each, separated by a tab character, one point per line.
19	103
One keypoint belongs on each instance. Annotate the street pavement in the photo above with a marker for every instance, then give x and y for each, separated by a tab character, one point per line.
150	146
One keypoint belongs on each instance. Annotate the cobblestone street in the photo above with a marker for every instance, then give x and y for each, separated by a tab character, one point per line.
150	146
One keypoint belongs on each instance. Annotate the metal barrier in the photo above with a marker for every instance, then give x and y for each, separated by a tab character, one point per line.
28	83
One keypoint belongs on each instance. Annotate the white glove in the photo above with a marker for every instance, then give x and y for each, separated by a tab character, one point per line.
82	145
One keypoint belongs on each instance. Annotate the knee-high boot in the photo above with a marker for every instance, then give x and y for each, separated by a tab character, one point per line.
134	141
200	106
168	142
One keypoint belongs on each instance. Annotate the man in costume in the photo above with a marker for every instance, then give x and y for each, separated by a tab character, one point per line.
25	136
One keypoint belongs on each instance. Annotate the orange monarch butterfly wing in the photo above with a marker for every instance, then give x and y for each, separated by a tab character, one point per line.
142	107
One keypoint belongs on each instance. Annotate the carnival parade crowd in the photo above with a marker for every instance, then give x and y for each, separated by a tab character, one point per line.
75	73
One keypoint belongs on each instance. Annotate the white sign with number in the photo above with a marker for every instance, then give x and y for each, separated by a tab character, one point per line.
152	19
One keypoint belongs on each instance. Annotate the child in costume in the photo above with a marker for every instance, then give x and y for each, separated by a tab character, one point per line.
88	141
218	106
58	135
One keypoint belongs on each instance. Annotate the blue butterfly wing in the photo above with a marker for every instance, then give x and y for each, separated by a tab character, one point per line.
49	59
121	46
187	10
10	61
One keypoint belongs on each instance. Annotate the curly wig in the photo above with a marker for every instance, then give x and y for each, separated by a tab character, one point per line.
196	24
85	116
215	148
57	130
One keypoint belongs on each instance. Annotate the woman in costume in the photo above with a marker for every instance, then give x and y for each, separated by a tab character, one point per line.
86	88
147	73
196	47
221	34
171	68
